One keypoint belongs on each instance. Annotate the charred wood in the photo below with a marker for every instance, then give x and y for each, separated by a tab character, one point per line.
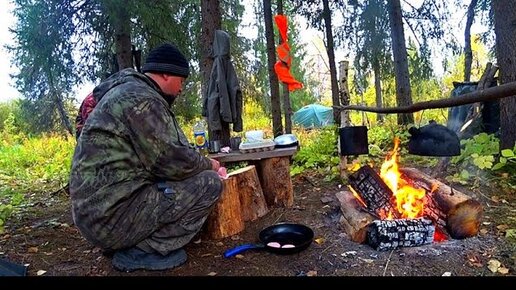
384	235
373	191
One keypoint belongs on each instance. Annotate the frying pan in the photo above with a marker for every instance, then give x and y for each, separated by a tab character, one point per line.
282	238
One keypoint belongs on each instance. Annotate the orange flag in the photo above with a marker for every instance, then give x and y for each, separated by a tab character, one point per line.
282	66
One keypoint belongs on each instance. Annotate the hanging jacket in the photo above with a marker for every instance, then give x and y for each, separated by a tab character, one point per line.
223	100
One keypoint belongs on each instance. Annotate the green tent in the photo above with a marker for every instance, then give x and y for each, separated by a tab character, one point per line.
313	116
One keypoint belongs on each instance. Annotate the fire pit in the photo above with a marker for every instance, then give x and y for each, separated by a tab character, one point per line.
404	208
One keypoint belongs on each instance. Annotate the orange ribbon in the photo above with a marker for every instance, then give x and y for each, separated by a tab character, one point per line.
282	66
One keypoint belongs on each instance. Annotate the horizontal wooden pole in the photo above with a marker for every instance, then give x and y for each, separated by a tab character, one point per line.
489	94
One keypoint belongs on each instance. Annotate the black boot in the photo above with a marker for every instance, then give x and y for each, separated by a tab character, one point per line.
134	259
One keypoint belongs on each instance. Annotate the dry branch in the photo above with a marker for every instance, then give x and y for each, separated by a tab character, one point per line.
489	94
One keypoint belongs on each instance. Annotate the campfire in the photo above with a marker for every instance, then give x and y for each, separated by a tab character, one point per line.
403	207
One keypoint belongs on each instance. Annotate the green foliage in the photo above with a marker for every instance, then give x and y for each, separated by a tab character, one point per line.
480	156
31	165
318	153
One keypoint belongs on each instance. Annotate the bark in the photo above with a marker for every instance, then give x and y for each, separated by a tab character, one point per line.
252	200
225	219
287	108
378	90
211	20
505	25
354	219
274	174
461	213
507	90
399	50
277	126
122	27
468	54
344	115
331	59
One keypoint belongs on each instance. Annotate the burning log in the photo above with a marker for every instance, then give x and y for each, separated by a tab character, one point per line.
373	191
447	207
354	219
384	235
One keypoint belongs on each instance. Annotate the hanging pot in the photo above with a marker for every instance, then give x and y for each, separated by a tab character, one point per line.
353	140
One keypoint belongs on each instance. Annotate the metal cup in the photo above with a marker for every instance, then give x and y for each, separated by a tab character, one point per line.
214	146
235	142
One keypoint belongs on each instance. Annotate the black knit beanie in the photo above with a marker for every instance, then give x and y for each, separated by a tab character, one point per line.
166	58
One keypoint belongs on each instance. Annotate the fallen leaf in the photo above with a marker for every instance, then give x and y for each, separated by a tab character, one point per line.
319	240
503	270
220	244
32	250
206	255
239	256
495	198
486	223
502	227
212	274
41	272
311	273
369	261
474	260
483	231
493	265
446	274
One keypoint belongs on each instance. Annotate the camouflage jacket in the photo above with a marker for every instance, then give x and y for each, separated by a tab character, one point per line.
131	140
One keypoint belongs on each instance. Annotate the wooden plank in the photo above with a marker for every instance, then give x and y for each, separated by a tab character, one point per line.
236	156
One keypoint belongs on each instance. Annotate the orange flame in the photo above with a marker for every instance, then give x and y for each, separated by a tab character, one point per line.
409	200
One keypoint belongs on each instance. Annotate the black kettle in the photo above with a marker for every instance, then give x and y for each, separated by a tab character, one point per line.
433	140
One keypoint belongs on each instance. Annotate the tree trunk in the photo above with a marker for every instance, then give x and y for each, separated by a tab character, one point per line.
211	21
62	113
468	54
277	126
122	27
287	109
505	25
378	90
399	50
344	115
331	59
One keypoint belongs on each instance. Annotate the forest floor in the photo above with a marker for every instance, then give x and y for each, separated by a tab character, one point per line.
42	236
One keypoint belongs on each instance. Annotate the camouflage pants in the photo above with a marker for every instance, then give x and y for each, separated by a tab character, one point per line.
179	213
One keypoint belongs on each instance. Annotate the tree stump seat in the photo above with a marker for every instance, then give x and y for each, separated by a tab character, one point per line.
251	191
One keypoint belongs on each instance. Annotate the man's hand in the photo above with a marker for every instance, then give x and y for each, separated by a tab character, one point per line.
215	165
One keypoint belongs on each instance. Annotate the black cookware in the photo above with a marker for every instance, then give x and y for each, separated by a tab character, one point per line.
282	238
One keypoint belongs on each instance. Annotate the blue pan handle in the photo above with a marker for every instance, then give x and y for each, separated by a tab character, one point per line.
239	249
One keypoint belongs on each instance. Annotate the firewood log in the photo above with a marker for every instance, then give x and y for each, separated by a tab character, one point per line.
354	219
384	235
462	214
373	191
